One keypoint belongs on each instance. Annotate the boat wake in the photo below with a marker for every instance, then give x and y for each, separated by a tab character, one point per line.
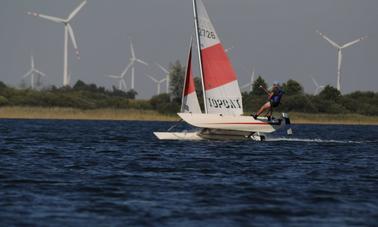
312	140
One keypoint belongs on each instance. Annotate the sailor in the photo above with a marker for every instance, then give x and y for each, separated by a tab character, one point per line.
275	96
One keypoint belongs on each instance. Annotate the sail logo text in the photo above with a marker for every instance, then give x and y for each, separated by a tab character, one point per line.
224	103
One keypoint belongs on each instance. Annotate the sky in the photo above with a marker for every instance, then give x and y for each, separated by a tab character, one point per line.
276	37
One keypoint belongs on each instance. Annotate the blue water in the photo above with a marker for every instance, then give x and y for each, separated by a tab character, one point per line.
109	173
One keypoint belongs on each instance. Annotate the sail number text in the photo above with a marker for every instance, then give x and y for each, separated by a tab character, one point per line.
225	103
206	33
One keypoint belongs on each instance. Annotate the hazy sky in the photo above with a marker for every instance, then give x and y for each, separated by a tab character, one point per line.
277	37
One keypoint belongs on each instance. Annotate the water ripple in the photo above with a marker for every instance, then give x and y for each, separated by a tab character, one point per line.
105	173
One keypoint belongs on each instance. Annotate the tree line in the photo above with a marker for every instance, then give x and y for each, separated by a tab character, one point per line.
329	100
91	96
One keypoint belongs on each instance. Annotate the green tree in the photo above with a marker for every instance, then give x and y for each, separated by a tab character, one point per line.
163	104
131	94
158	100
330	93
2	85
292	87
80	85
3	101
176	75
256	90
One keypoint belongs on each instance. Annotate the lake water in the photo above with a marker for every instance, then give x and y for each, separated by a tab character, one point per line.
109	173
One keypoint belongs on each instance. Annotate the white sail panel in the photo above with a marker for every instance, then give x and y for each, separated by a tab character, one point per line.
222	100
223	94
189	103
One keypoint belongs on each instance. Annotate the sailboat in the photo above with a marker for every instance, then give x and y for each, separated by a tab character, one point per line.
223	107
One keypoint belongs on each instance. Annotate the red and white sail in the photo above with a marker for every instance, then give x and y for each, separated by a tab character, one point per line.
222	90
189	102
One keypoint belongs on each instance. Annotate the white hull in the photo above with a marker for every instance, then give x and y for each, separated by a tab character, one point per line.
178	136
234	123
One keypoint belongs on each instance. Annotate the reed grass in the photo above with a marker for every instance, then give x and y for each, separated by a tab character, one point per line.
79	114
150	115
349	119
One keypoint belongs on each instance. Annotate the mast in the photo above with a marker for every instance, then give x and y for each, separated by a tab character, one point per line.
199	53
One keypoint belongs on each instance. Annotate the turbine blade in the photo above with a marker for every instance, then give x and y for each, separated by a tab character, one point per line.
142	62
152	78
50	18
328	39
245	86
353	42
123	82
132	50
72	36
162	68
316	83
39	72
127	69
73	14
113	76
28	73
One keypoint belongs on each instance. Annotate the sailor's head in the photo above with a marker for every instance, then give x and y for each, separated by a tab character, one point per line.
276	83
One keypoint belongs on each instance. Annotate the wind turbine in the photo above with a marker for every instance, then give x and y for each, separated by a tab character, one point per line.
249	84
318	87
67	31
132	62
229	49
69	78
339	54
121	78
158	83
166	75
32	72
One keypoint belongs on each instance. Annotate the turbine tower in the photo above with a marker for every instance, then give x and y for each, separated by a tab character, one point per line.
318	87
166	75
339	54
121	78
158	83
249	84
32	72
69	78
132	62
67	31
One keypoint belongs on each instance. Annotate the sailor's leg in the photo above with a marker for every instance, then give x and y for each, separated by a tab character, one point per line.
270	111
263	108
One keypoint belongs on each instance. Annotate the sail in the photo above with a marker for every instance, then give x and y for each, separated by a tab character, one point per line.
222	90
189	96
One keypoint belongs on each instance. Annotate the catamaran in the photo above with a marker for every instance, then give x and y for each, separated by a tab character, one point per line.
223	107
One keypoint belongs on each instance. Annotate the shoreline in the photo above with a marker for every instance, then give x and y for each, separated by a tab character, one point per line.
58	113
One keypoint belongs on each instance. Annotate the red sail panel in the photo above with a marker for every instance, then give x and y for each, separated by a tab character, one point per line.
217	67
189	81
